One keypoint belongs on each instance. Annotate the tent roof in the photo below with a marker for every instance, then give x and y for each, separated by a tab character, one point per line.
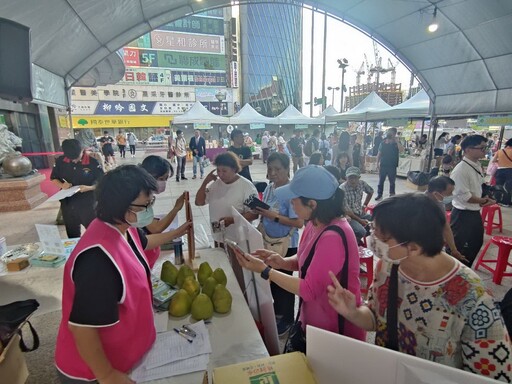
329	111
362	111
292	115
464	66
248	115
417	106
199	114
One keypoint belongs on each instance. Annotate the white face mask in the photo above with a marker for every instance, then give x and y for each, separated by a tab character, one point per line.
144	218
161	184
381	250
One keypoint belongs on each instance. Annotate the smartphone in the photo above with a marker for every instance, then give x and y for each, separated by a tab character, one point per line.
236	247
253	202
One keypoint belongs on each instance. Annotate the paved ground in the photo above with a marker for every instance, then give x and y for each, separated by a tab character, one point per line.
18	227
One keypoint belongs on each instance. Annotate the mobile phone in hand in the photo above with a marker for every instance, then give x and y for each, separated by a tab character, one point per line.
253	202
236	247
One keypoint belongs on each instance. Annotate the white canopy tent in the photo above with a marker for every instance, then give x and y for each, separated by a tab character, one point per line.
248	115
417	106
199	114
292	115
329	111
362	111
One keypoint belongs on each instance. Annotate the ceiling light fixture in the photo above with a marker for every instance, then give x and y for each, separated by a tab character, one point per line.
433	26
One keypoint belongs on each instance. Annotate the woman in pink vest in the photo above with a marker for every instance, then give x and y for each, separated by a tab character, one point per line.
107	316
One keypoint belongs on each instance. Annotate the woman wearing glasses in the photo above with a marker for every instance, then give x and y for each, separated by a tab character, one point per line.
107	316
424	302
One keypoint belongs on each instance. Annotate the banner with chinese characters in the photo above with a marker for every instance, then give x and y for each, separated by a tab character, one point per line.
146	76
187	60
95	121
202	126
198	78
177	41
484	120
234	74
196	24
124	107
216	107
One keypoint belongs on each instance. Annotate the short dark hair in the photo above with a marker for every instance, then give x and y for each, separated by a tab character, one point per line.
316	132
283	158
315	158
425	221
471	141
455	138
157	166
334	171
508	143
228	159
118	189
447	159
329	209
235	133
340	155
179	131
71	148
105	132
439	184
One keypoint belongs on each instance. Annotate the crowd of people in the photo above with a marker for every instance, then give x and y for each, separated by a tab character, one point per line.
425	299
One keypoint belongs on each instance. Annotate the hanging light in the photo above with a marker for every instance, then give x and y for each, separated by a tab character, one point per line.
433	26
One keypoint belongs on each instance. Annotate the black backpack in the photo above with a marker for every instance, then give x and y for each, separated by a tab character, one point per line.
308	148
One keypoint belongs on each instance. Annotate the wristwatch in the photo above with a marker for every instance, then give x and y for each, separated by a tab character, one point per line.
276	219
265	274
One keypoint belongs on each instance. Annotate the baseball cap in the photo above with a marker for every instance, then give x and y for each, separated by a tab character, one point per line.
312	182
353	171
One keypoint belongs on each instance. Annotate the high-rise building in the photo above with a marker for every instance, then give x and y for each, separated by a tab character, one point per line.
271	56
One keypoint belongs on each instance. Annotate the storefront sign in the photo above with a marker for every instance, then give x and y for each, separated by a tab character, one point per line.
124	108
187	60
234	74
202	126
94	121
217	108
131	57
142	42
84	107
177	41
198	78
148	58
195	24
146	76
209	94
487	120
175	108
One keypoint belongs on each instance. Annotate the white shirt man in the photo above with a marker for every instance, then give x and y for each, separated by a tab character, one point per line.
264	146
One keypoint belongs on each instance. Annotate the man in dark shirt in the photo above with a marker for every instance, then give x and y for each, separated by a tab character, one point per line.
198	147
295	145
244	154
106	148
76	168
387	162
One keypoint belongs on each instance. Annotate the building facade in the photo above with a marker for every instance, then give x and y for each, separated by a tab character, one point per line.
271	56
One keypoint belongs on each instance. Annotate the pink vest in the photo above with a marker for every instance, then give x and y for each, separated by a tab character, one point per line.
152	256
126	341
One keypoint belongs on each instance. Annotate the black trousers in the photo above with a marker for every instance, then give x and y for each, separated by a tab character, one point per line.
122	151
468	232
390	173
504	178
76	213
132	149
284	301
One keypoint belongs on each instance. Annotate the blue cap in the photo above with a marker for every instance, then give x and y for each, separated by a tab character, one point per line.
313	182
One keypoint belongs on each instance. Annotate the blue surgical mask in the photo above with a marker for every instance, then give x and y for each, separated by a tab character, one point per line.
447	200
144	218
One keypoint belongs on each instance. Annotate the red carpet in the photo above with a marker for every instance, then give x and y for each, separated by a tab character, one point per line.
47	186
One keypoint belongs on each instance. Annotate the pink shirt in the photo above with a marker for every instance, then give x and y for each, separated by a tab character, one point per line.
329	256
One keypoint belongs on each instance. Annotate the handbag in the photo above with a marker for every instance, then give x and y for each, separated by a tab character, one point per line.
279	245
296	341
12	318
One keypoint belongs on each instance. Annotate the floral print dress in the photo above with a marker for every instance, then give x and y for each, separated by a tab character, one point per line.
452	321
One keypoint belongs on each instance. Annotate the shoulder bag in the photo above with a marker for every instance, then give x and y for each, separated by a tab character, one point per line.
297	337
12	317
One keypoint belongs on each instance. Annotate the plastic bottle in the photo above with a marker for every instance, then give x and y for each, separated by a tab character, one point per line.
178	251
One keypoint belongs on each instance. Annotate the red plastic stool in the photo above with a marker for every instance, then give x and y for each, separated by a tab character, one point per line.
369	209
488	218
366	258
504	247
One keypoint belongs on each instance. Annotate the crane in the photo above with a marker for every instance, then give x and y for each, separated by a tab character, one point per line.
392	68
378	64
368	70
359	72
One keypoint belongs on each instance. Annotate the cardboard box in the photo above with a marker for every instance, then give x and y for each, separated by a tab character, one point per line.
13	367
290	368
421	188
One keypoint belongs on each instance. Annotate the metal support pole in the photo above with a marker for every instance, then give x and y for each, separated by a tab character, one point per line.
324	61
343	70
312	61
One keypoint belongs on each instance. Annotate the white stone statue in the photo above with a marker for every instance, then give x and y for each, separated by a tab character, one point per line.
8	142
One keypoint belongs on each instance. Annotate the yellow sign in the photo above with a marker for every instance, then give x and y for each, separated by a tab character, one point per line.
95	121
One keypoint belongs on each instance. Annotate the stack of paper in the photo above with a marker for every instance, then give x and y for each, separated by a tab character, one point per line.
173	355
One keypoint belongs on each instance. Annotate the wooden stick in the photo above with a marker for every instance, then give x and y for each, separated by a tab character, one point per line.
191	242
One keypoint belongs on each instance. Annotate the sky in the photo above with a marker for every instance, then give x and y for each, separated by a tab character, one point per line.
343	41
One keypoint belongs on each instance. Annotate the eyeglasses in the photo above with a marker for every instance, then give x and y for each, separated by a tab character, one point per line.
479	148
145	206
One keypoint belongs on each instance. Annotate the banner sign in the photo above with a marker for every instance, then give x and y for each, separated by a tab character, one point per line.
177	41
84	107
84	121
148	58
187	60
198	78
208	94
487	120
202	126
175	108
301	126
124	108
397	122
216	107
131	57
234	74
257	126
145	76
195	24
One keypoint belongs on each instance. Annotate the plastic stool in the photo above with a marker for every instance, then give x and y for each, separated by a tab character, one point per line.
488	218
369	209
504	247
366	258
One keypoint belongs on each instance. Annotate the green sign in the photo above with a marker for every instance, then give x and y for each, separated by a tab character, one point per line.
301	126
202	126
257	126
2	119
194	24
487	120
397	122
142	42
187	60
